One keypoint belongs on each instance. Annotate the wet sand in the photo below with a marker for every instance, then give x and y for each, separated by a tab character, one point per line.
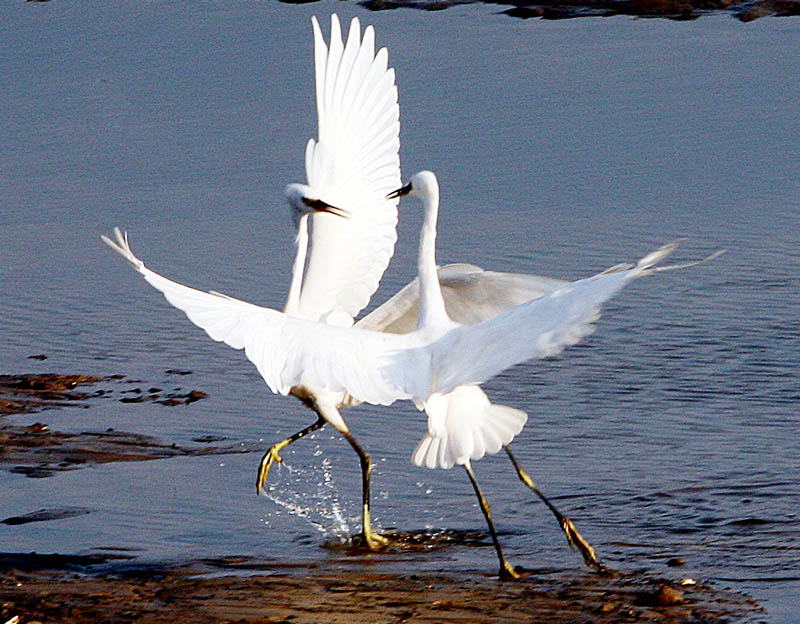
354	589
337	593
37	451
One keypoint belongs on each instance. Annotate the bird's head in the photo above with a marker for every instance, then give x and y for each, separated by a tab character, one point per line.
420	185
302	201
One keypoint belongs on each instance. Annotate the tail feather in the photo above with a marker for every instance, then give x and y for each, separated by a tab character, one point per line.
468	427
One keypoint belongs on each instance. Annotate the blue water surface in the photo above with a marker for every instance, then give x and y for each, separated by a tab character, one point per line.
562	148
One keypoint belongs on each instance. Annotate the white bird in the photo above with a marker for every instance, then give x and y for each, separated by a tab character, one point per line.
379	368
473	425
356	153
464	424
350	171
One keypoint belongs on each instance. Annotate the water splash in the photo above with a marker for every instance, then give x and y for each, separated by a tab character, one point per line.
310	493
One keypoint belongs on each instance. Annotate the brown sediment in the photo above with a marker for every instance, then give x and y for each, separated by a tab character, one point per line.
59	590
34	392
745	10
29	393
37	451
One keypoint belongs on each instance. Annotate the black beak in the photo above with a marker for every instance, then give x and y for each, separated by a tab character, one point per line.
401	192
317	205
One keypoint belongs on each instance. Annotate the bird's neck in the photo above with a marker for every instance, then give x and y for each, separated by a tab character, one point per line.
292	306
431	302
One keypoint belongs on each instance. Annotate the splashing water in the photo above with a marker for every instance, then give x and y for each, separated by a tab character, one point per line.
313	496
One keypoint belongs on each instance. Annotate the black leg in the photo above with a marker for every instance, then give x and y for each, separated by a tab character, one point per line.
506	569
375	541
573	537
272	454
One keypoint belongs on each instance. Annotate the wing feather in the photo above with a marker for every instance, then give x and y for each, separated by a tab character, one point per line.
286	351
471	354
320	63
471	295
542	328
353	165
380	368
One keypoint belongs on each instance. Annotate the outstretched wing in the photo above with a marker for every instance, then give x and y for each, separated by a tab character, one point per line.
471	295
353	165
381	368
287	351
471	354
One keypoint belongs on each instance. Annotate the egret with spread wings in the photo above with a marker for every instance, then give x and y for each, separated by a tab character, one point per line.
423	365
350	169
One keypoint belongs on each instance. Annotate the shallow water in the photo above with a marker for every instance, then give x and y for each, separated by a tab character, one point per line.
562	148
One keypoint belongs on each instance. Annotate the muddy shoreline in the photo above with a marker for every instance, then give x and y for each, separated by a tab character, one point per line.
744	10
244	590
114	587
37	451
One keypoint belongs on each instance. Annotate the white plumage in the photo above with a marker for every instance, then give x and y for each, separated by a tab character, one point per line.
430	343
353	165
463	426
380	368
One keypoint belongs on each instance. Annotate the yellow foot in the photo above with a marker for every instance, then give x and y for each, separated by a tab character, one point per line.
266	462
508	572
576	540
376	541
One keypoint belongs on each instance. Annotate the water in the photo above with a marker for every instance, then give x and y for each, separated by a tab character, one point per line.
562	148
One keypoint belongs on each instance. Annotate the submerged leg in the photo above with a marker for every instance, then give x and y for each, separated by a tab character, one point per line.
272	454
573	537
506	569
374	541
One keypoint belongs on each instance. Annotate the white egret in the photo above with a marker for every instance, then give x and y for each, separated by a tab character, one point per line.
463	424
336	286
352	167
379	368
473	425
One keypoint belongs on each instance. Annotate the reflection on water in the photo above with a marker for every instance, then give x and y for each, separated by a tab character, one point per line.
562	148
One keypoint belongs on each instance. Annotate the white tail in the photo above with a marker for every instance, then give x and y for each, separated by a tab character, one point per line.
464	425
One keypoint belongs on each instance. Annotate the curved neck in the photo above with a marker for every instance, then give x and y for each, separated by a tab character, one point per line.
292	306
431	302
